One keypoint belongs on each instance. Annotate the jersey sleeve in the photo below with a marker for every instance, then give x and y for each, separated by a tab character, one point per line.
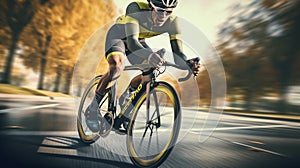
176	42
132	31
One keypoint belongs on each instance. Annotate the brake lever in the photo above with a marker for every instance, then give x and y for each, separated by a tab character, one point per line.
197	62
161	52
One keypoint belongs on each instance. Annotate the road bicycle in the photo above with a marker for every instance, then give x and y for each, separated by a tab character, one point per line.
151	118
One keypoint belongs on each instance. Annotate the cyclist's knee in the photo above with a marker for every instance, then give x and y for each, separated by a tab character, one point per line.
116	65
115	71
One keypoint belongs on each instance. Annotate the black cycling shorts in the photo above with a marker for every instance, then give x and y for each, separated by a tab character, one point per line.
115	43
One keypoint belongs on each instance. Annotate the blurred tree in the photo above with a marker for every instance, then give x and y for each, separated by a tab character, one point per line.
58	32
48	18
98	15
259	43
2	58
240	63
204	88
283	47
15	14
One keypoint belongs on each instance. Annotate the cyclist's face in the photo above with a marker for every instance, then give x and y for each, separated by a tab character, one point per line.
160	15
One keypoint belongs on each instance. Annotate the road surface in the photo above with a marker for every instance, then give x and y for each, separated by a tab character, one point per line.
41	132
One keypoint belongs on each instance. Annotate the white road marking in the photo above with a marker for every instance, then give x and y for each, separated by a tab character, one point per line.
57	145
17	109
196	131
259	149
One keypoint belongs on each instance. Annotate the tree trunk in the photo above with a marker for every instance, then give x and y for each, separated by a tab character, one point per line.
42	72
10	59
248	99
57	80
282	104
43	61
68	82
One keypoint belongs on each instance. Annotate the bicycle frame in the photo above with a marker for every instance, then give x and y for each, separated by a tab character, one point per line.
148	81
145	85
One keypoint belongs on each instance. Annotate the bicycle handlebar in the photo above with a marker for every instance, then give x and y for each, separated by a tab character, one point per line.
161	52
143	67
181	68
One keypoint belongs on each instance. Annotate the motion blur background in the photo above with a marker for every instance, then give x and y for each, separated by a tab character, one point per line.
258	41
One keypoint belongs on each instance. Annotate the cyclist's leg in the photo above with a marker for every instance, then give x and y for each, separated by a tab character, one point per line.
134	83
115	62
116	65
115	55
115	50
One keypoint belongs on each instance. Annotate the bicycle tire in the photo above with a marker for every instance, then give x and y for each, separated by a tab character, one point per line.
87	136
156	158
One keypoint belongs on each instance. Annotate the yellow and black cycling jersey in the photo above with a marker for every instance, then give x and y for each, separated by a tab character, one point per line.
129	32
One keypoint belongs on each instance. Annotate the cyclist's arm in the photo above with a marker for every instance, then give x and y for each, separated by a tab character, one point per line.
133	44
132	32
176	43
179	57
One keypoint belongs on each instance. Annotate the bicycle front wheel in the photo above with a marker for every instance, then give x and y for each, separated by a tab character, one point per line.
154	126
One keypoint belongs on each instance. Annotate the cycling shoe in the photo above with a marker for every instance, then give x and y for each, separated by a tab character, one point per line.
91	118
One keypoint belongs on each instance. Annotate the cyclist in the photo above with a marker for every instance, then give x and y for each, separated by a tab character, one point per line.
127	38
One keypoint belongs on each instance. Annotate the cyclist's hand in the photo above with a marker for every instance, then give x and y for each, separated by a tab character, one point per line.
195	67
155	60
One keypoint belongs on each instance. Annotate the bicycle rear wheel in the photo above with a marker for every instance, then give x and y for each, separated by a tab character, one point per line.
85	134
152	137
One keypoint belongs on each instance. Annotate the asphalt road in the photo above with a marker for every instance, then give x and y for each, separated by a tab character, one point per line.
41	132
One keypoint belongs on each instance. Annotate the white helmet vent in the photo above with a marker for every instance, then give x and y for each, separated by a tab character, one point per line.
169	3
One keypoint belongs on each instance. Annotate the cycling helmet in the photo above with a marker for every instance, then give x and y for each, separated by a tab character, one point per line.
164	3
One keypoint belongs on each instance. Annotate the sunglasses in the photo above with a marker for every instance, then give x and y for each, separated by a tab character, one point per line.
161	10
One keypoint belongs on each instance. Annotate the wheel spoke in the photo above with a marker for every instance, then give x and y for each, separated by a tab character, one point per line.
145	132
157	142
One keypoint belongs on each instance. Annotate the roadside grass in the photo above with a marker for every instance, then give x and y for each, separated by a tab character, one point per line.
12	89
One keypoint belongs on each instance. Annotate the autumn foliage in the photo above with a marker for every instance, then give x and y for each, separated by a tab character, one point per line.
48	35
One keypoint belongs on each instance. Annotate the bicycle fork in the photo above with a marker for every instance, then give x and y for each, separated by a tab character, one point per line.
149	120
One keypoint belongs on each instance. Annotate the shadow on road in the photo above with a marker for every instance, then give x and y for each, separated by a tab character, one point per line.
73	148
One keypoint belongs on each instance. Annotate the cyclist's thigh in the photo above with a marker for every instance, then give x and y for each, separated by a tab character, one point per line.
114	45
